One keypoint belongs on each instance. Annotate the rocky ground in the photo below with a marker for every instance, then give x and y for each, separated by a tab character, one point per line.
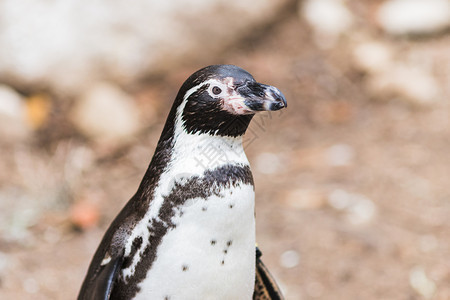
353	197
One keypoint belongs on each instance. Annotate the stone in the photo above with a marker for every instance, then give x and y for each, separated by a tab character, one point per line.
416	17
5	263
38	110
339	199
421	283
357	209
328	18
372	56
407	82
289	259
361	211
395	75
13	123
67	45
105	113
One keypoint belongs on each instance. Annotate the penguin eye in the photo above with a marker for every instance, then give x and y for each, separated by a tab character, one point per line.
216	90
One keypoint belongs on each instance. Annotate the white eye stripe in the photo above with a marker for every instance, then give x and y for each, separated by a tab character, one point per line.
212	83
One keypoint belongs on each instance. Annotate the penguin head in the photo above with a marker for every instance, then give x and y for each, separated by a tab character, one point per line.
222	99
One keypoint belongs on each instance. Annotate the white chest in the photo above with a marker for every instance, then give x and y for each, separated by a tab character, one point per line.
210	254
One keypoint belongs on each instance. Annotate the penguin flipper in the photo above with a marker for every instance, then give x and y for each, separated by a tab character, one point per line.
101	286
265	286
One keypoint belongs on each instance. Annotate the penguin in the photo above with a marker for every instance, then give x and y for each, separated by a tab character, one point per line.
189	230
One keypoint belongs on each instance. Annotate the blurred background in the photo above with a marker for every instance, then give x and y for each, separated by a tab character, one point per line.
352	179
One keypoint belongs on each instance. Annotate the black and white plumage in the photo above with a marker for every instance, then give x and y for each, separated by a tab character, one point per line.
189	231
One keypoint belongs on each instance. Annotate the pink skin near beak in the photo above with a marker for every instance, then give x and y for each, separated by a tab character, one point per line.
235	105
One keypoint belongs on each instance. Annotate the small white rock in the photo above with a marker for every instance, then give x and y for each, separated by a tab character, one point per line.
408	82
106	113
113	40
420	282
361	211
4	263
10	103
339	199
328	18
79	159
13	124
372	57
290	259
340	155
399	17
358	209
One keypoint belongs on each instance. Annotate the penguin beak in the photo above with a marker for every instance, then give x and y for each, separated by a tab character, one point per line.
262	97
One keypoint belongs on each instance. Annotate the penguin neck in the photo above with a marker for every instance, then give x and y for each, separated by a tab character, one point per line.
206	152
181	153
188	156
200	149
